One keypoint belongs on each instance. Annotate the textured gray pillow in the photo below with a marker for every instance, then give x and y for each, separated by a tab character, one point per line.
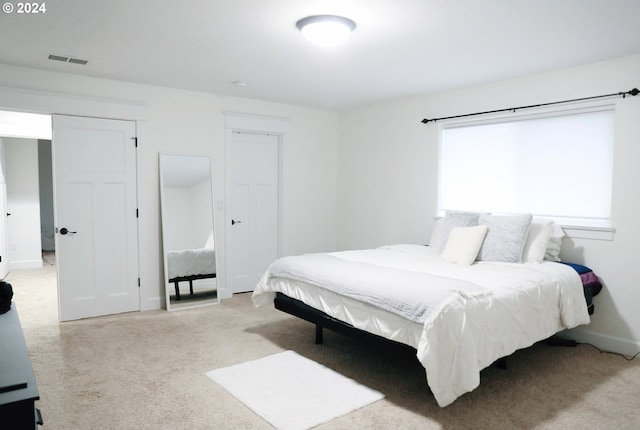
505	238
454	219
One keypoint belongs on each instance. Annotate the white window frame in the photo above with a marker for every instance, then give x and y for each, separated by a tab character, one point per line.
575	228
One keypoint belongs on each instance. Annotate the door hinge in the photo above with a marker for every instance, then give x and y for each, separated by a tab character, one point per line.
135	141
138	282
137	213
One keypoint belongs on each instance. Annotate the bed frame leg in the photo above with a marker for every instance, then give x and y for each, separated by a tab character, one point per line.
319	339
177	290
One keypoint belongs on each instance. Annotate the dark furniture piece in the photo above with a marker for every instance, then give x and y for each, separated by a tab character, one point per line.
189	278
18	389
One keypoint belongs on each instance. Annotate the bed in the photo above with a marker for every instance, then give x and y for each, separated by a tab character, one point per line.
189	265
460	306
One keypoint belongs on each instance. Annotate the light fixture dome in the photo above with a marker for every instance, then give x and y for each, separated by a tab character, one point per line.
326	30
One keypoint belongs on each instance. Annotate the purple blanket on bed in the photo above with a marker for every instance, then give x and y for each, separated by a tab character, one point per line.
588	278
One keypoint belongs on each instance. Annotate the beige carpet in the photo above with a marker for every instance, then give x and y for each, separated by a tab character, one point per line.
146	370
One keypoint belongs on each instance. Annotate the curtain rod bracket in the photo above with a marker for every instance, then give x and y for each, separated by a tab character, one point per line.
632	92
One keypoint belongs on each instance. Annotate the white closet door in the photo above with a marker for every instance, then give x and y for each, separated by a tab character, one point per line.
252	208
95	211
4	242
4	245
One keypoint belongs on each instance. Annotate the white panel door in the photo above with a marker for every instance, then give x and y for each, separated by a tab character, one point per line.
94	168
252	208
4	245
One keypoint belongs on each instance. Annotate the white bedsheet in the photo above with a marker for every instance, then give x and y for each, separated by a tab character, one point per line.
187	262
525	303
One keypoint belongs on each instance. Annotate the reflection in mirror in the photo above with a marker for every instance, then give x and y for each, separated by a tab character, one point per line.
187	231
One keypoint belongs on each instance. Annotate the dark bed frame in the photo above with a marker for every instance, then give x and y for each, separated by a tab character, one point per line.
321	320
176	281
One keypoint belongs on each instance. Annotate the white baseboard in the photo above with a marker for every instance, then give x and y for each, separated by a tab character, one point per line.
605	342
25	264
152	304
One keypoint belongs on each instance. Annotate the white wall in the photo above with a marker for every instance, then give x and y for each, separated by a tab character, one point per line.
388	166
179	121
23	203
45	167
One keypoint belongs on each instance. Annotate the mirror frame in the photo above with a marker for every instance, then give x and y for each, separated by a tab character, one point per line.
169	287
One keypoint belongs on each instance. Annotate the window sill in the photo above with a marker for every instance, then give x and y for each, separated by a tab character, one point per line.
588	232
591	229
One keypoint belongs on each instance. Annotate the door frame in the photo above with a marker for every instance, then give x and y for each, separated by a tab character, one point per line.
49	103
250	123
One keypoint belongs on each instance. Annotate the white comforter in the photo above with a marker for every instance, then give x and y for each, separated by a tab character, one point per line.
188	262
513	306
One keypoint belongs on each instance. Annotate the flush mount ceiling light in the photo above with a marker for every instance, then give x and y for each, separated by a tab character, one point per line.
326	30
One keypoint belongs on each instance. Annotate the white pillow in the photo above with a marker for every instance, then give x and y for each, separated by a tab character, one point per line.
537	241
555	243
463	244
505	238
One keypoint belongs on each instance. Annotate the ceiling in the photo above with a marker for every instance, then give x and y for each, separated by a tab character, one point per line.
399	48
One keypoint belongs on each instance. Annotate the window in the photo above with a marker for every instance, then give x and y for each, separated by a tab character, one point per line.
556	165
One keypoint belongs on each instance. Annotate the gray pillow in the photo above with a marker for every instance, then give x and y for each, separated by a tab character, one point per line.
454	219
505	237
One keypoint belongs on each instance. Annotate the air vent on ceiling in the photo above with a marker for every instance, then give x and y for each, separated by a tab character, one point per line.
67	59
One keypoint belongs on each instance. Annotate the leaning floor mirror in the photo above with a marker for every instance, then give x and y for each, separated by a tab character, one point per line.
188	237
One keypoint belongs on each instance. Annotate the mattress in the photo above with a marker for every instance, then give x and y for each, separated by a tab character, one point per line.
188	262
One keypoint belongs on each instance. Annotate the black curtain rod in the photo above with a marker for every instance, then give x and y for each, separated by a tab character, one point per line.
633	92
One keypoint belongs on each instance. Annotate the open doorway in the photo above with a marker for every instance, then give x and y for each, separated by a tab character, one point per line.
29	201
96	247
27	238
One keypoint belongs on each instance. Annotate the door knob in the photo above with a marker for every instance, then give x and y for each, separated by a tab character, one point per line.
65	230
233	222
